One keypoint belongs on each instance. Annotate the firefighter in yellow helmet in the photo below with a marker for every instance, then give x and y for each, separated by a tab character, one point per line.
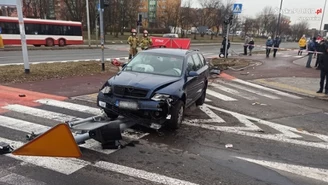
133	41
146	42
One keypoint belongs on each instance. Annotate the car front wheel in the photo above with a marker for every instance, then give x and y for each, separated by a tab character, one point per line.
177	115
111	114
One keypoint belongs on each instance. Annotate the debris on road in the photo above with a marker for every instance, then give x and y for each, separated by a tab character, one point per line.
22	95
229	146
257	103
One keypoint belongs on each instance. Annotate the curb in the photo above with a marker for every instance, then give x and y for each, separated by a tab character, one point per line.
19	48
65	61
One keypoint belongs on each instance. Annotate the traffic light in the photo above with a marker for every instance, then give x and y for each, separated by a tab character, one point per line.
104	3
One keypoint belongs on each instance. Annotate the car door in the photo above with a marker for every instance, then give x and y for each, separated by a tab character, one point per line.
191	82
200	68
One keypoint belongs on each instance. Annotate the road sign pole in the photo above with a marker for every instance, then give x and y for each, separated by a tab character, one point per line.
101	17
226	43
23	36
88	21
279	20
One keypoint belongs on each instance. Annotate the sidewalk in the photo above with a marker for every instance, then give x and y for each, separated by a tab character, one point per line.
286	74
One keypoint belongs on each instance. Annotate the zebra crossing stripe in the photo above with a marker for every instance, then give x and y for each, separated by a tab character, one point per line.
234	92
266	89
219	95
14	179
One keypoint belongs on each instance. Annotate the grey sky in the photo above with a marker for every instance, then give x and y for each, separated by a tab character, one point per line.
296	9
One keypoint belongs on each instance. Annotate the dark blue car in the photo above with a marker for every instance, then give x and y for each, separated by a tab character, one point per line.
156	86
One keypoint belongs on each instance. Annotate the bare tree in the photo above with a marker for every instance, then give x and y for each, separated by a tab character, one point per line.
185	20
267	18
35	8
75	8
298	29
209	12
131	10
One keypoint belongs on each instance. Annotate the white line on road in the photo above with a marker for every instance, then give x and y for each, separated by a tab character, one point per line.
232	91
15	179
286	136
141	174
65	166
40	113
267	89
219	96
253	91
71	106
313	173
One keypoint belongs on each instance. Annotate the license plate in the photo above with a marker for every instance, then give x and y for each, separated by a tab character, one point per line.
127	105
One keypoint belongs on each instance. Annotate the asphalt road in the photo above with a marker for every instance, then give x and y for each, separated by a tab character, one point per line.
245	134
111	51
242	135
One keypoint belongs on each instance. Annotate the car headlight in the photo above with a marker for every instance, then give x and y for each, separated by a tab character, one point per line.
160	97
106	90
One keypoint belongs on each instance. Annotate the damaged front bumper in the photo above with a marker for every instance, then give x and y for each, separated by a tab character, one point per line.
149	113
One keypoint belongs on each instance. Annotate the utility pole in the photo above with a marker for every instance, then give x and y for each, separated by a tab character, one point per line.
279	17
88	21
323	15
101	17
227	22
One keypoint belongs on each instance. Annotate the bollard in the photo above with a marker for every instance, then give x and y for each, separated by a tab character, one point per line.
1	43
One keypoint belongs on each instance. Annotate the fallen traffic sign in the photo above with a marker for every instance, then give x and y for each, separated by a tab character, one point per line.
56	142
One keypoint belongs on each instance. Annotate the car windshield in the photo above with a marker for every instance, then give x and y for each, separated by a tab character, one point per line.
154	63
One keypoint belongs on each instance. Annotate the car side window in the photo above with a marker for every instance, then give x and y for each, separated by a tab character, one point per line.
198	63
191	64
202	58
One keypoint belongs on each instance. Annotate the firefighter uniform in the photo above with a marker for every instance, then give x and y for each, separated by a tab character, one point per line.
146	42
134	42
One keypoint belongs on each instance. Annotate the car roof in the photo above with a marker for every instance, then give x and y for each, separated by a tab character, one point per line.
169	51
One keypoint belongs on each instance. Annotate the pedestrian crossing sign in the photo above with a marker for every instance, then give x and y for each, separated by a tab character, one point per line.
237	8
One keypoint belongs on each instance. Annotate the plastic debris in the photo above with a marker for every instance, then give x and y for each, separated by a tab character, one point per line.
228	145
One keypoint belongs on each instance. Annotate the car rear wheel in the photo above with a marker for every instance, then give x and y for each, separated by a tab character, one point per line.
177	115
111	114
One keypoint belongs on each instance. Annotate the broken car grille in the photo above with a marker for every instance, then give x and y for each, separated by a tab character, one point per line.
130	92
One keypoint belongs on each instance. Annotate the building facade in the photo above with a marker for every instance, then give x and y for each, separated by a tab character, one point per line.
154	11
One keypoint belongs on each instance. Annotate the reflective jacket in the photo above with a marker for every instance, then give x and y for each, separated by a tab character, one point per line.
146	42
302	42
133	41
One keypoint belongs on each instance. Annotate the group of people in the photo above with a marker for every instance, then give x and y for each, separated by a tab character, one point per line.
134	42
317	47
270	43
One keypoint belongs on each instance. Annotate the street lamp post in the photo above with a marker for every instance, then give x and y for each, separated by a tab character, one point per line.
323	15
88	21
279	18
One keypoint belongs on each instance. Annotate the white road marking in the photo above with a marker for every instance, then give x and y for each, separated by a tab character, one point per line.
28	127
232	91
267	89
15	179
40	113
141	174
65	166
253	91
288	134
309	172
71	106
208	100
219	96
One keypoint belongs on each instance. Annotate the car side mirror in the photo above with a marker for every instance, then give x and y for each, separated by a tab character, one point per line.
192	74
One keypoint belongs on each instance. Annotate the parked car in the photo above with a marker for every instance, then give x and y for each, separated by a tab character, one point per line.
171	35
156	87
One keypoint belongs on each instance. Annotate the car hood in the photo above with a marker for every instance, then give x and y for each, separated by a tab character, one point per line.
142	80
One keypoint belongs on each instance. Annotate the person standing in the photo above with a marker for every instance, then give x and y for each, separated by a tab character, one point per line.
133	41
251	46
224	44
269	44
320	49
324	71
276	44
311	50
302	44
146	42
246	44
